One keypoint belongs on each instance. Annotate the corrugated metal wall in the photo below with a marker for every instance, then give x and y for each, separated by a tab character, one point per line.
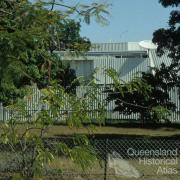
116	47
126	67
109	47
83	68
34	105
174	94
159	60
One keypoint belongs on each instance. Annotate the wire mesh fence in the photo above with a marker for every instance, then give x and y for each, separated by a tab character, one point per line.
117	158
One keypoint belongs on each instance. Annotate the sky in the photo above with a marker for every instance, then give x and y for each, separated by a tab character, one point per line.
130	20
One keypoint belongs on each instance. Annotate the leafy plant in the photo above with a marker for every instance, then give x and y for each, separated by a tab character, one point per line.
28	141
30	33
147	95
168	40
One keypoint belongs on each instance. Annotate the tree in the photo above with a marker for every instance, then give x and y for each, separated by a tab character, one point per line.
27	141
27	41
168	41
29	35
147	95
156	102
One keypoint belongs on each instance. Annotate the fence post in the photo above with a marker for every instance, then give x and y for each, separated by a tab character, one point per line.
1	111
106	159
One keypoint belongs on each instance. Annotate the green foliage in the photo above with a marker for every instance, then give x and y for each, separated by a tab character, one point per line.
26	139
84	11
82	153
168	40
159	112
147	95
29	34
167	3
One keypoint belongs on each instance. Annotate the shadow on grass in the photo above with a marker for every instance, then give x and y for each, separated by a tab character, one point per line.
121	136
133	125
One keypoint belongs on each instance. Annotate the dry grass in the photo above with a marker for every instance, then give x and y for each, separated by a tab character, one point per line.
70	171
64	130
97	171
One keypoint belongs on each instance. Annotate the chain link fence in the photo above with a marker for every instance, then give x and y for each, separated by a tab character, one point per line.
118	158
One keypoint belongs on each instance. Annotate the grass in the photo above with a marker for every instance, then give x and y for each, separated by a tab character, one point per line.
107	131
63	168
60	130
96	172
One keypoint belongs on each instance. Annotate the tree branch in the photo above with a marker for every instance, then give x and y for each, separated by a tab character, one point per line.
62	5
53	3
135	105
3	11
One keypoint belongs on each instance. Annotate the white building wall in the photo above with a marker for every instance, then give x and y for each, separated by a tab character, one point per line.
126	67
83	68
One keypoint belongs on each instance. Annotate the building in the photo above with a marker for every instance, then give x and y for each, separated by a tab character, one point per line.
127	59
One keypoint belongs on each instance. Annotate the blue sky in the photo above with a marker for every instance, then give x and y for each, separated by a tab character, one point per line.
131	20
